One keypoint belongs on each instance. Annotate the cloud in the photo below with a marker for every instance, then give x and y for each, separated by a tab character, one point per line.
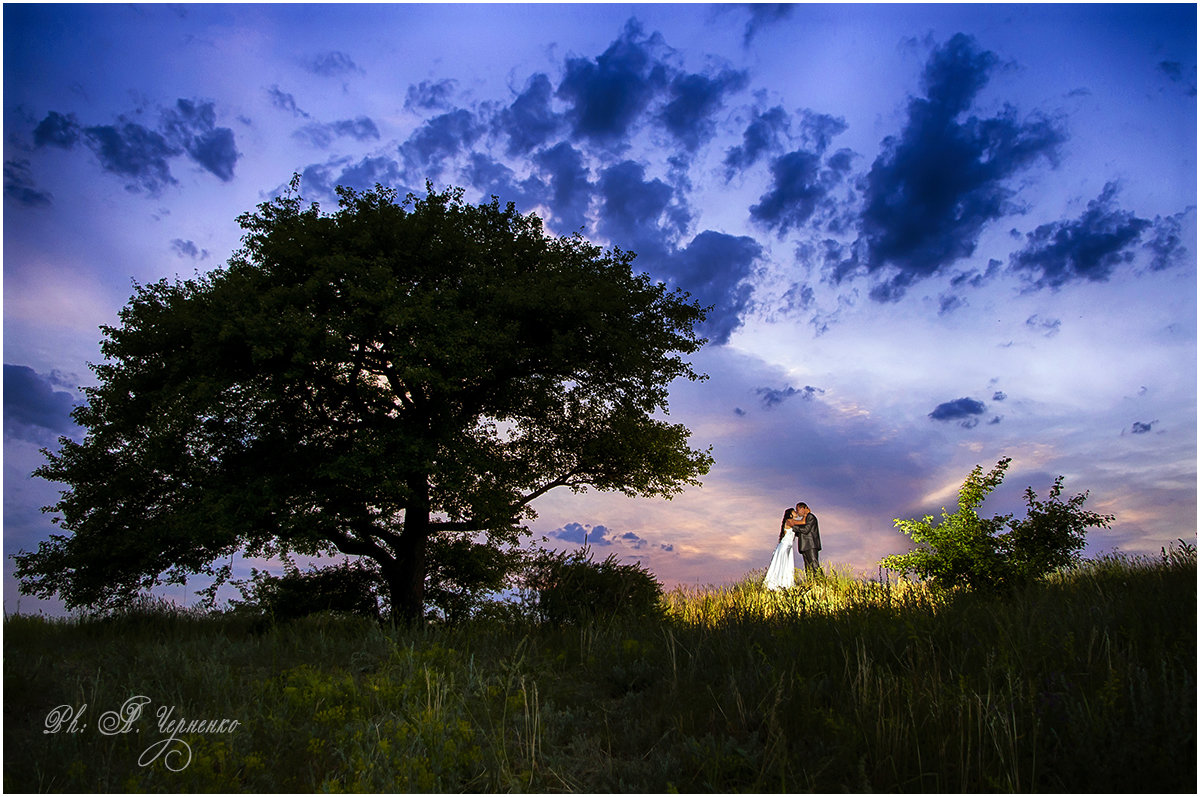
495	179
57	130
529	121
762	16
285	102
322	134
773	397
332	64
607	94
766	133
570	189
142	154
19	185
1047	326
1088	248
1142	428
715	268
933	188
964	410
33	409
440	138
647	217
694	100
188	249
800	185
639	214
426	96
999	395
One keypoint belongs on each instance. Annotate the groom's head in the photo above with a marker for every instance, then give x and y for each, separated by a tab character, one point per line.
802	508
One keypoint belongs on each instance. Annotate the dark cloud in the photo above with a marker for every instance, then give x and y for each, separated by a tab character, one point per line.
933	188
440	138
569	185
818	130
322	134
1088	248
762	16
999	395
33	409
188	249
285	102
773	397
1142	428
19	185
495	179
57	130
332	64
766	133
800	185
639	214
964	410
142	154
579	533
427	96
529	121
607	94
714	268
649	218
1167	247
694	100
133	151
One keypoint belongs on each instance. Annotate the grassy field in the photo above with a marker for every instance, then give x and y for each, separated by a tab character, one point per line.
1086	682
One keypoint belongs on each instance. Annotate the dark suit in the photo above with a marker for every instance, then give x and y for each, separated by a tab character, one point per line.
809	536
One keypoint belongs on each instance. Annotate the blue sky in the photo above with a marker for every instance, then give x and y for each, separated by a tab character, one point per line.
932	236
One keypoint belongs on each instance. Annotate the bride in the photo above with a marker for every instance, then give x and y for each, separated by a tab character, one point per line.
781	573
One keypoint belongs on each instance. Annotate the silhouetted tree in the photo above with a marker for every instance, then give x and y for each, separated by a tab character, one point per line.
360	381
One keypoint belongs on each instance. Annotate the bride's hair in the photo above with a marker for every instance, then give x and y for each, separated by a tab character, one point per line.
788	513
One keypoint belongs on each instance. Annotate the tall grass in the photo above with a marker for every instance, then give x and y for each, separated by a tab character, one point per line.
1084	682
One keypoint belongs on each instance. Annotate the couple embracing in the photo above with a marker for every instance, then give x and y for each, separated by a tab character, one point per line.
798	523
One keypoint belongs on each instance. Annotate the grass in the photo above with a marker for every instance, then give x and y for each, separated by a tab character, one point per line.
1084	682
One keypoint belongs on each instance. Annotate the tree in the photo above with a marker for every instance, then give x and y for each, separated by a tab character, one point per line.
359	382
970	551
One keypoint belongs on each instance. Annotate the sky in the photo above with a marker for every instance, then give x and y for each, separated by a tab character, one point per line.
932	236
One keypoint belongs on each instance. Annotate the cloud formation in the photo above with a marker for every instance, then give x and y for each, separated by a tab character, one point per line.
34	409
933	188
607	94
19	185
964	410
142	154
1091	247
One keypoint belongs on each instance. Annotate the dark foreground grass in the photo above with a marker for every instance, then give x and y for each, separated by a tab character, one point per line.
1083	683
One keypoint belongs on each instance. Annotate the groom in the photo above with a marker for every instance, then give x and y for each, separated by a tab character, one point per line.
808	534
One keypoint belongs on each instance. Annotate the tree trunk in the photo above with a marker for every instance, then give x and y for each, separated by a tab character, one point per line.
406	578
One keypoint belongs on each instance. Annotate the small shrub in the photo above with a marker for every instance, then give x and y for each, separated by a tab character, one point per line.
571	588
966	550
351	587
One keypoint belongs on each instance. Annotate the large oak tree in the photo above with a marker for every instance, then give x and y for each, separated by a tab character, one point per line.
358	381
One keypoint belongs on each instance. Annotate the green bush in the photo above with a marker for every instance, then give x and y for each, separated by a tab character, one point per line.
352	587
966	550
571	588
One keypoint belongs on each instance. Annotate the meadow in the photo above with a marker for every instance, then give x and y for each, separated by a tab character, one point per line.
1082	682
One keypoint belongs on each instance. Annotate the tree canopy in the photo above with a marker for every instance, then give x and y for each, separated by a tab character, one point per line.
358	381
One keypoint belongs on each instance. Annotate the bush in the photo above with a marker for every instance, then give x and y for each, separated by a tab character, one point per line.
571	588
966	550
353	587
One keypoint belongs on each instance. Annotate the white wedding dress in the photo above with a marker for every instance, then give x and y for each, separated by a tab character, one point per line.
781	573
